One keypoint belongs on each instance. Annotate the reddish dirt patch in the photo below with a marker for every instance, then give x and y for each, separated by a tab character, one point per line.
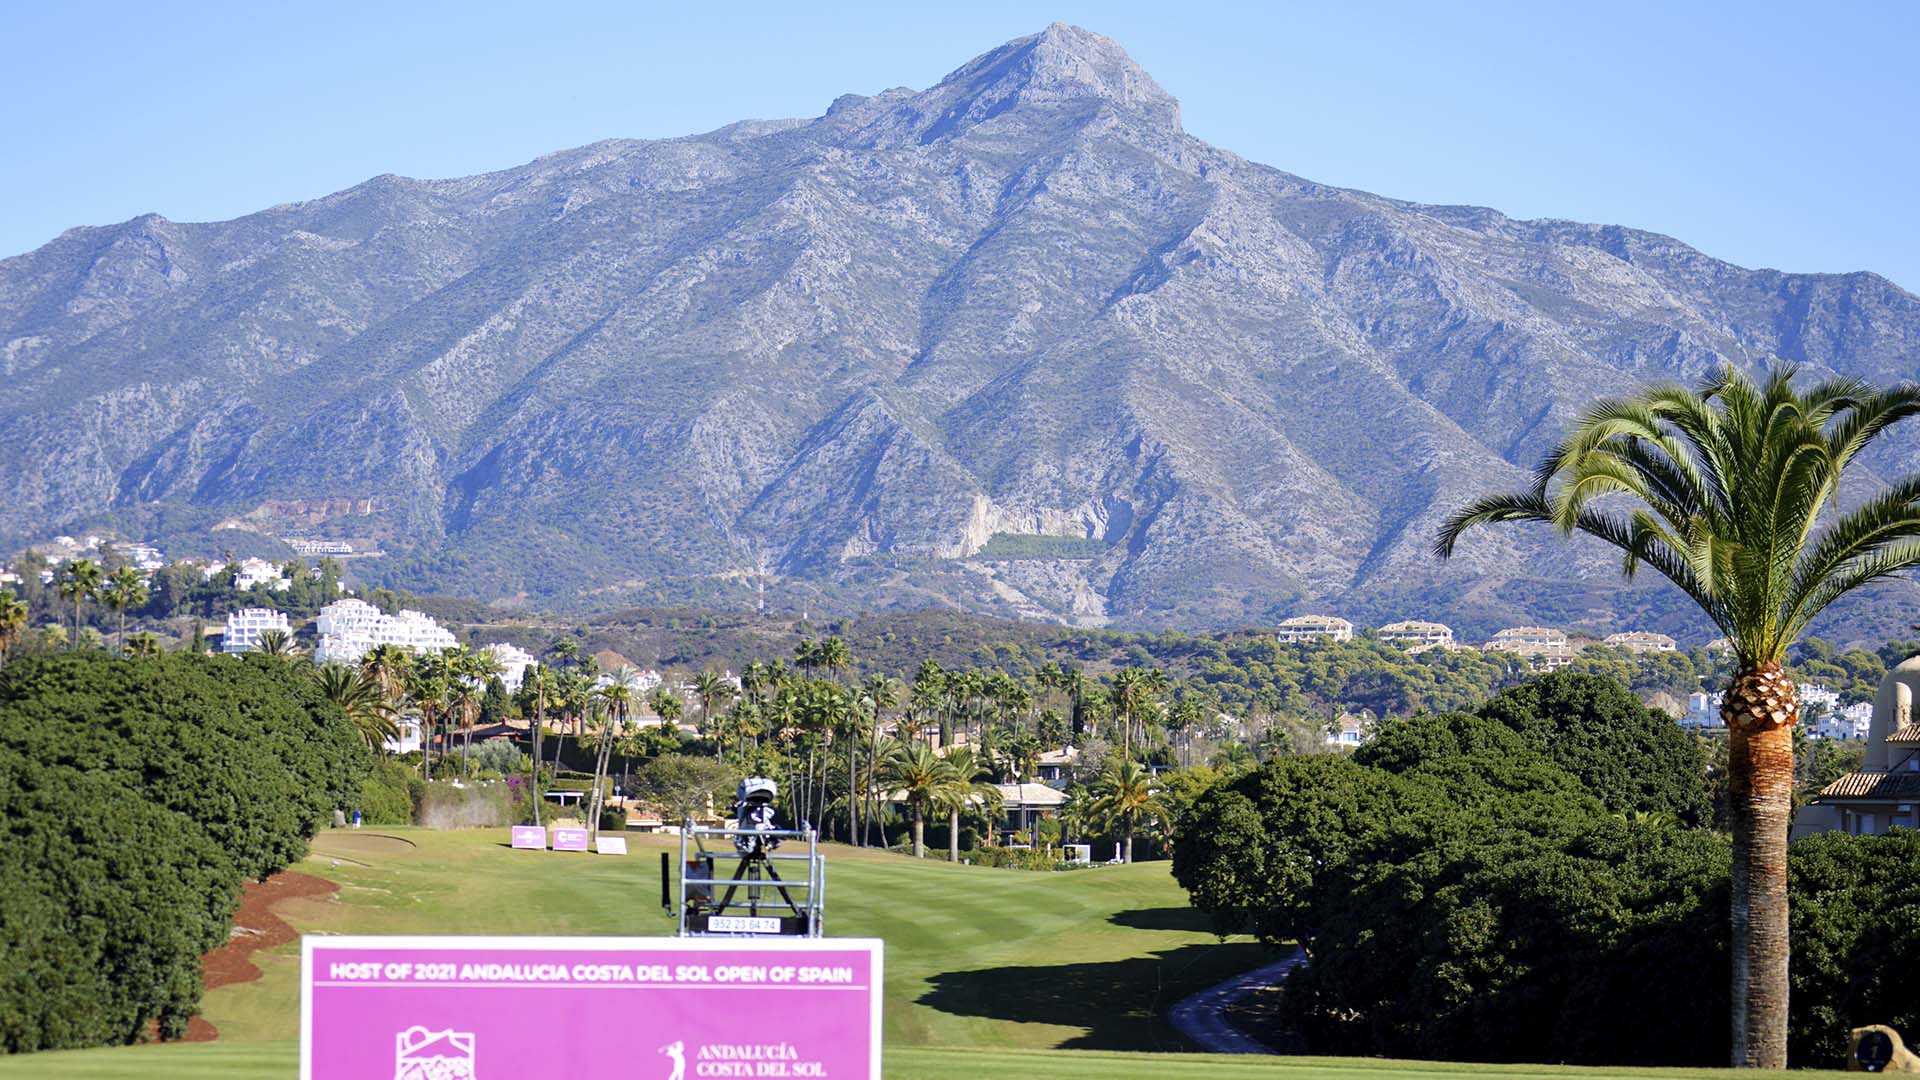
255	926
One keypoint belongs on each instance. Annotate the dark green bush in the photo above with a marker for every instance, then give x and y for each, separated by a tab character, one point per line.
1629	756
1460	896
1856	940
135	797
386	798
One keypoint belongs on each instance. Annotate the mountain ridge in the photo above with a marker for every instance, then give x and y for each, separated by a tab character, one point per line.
834	356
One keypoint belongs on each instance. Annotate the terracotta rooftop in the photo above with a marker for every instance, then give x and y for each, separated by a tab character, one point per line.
1874	785
1906	736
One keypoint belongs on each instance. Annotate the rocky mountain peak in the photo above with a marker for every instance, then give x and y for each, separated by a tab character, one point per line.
834	359
1062	65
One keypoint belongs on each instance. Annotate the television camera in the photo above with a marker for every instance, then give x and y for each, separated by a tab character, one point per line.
755	899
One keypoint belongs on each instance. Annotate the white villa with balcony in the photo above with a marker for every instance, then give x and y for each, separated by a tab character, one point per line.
1309	627
1415	636
1546	647
1642	641
245	626
349	628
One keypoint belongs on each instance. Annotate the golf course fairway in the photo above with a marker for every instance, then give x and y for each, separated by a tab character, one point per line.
1001	973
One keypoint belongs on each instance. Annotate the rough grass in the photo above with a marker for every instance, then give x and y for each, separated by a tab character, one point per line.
989	972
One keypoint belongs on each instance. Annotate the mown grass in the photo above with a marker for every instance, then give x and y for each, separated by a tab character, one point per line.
989	972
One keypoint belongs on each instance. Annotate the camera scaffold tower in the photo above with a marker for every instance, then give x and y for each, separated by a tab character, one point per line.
755	899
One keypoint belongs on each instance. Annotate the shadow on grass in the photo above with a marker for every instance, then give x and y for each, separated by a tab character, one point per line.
1121	1004
1164	918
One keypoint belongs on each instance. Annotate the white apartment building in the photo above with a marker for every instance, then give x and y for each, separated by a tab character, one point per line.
1546	647
1642	641
245	626
1308	627
349	628
1847	722
251	572
1415	636
513	660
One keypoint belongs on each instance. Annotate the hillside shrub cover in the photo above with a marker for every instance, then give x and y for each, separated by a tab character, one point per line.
1460	894
135	798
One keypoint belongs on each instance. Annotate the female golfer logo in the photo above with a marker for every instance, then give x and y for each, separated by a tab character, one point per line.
676	1051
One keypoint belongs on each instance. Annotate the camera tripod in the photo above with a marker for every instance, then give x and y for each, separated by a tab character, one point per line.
709	896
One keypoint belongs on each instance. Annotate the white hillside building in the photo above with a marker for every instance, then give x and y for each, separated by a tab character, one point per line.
1308	627
349	628
513	660
245	626
259	572
1416	636
1546	647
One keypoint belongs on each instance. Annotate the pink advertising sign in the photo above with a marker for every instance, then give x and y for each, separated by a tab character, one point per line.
530	836
569	839
488	1008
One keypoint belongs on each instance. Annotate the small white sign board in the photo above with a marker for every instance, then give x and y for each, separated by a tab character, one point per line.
743	924
1079	853
610	845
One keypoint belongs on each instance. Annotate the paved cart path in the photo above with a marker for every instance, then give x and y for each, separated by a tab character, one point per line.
1202	1016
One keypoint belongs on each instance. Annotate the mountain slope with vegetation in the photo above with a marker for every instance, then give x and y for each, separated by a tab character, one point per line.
1016	343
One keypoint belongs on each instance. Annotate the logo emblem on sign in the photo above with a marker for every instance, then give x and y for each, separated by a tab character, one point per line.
676	1051
419	1054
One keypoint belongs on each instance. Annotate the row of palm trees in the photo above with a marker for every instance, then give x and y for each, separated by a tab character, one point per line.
83	579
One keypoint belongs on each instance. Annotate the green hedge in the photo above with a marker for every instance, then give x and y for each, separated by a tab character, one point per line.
135	798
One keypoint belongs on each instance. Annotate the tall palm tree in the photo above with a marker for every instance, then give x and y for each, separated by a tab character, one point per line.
917	774
1183	719
386	664
831	653
535	682
964	787
124	588
1730	491
1124	794
711	688
13	622
426	679
79	582
1133	694
361	699
617	696
877	695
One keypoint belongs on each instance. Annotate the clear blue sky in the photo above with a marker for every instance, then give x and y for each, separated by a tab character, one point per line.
1769	135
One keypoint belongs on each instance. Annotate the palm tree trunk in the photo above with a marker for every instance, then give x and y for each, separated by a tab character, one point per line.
953	835
1760	709
1126	832
533	774
873	792
919	833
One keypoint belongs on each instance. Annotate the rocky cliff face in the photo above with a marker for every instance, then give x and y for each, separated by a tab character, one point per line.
840	354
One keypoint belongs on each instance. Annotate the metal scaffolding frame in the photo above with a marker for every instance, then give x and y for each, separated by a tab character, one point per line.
712	903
